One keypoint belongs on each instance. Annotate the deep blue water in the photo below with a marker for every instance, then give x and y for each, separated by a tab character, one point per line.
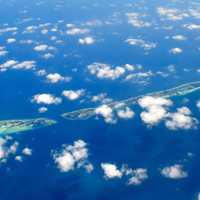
127	141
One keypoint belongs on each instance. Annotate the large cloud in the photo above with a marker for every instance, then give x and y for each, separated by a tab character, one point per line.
174	172
156	109
73	156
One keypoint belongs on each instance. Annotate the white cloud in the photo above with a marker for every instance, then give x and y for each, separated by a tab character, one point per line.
135	20
54	78
135	176
148	101
8	64
18	158
105	71
25	65
154	115
181	119
7	150
100	97
179	37
73	94
42	47
176	50
198	104
73	156
198	196
86	41
156	109
3	52
174	172
139	76
111	171
47	56
42	109
129	67
172	13
141	43
106	112
65	161
192	26
11	40
77	31
125	113
27	151
41	72
46	99
8	29
13	64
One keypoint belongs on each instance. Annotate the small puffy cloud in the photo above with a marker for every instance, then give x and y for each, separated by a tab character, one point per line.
106	112
11	40
73	156
13	64
181	119
125	113
192	26
176	51
25	65
198	104
129	67
8	29
179	37
172	14
140	77
135	20
111	171
65	161
27	151
7	148
8	64
41	72
86	41
100	97
43	47
46	99
18	158
73	94
42	109
105	71
77	31
3	51
55	78
47	56
135	176
30	29
141	43
174	172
